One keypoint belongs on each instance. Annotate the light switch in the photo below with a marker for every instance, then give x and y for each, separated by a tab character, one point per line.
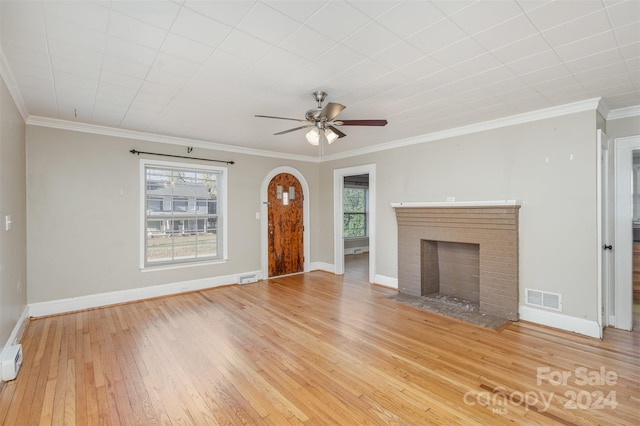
257	215
7	222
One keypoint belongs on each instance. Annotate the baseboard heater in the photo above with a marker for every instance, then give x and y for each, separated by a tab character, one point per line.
247	278
11	361
543	299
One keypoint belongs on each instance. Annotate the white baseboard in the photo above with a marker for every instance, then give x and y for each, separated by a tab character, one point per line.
322	266
561	321
18	329
72	304
386	281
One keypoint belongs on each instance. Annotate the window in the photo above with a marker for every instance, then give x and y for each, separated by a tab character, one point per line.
182	213
355	202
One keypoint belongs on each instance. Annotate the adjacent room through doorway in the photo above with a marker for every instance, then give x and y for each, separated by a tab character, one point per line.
355	205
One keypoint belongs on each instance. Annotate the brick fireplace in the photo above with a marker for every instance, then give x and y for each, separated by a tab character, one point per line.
469	250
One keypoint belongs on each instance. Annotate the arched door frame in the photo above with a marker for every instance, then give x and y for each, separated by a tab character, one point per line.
264	217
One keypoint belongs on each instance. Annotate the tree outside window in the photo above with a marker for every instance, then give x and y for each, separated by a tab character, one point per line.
355	204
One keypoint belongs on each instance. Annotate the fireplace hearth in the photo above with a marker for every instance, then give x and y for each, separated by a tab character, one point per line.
464	250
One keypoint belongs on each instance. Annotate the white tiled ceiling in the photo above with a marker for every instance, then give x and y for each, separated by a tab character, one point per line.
203	69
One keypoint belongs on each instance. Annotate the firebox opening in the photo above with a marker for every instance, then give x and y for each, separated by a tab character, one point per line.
450	268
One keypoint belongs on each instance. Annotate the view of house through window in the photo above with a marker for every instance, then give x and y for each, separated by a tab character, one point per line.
182	214
355	203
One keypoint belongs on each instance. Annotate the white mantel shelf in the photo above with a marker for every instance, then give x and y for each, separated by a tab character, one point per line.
491	203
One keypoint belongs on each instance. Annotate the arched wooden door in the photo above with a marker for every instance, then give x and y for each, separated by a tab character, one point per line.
285	226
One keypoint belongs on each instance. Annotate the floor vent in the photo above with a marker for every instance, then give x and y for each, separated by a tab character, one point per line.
543	299
11	361
247	278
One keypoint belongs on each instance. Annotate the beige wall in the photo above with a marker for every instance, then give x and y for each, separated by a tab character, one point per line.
13	260
84	236
529	162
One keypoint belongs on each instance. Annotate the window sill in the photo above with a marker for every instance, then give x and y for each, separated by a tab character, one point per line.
182	265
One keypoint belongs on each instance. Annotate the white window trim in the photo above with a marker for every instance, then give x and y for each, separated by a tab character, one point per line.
222	187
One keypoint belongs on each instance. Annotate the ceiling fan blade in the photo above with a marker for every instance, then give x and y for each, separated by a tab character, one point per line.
281	118
330	111
361	123
337	132
293	130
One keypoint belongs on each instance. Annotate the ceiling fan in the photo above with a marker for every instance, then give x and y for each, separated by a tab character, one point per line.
322	123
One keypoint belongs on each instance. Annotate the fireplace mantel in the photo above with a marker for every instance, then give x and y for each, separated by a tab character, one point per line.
492	203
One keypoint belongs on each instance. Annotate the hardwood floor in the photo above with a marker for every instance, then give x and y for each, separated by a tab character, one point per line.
313	349
356	266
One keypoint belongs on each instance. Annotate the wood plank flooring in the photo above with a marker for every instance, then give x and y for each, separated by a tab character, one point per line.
312	349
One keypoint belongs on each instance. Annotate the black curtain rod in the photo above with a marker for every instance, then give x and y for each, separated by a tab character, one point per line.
133	151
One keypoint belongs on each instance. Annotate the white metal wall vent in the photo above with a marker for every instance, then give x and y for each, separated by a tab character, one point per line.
543	299
11	362
247	278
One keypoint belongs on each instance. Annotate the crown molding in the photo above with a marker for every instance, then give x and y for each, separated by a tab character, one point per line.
56	123
557	111
527	117
615	114
604	110
12	86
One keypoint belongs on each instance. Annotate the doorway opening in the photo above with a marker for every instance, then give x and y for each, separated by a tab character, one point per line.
623	309
358	241
355	206
636	240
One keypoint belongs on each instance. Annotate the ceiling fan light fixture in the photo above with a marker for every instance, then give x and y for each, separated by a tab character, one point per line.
331	136
322	121
313	136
